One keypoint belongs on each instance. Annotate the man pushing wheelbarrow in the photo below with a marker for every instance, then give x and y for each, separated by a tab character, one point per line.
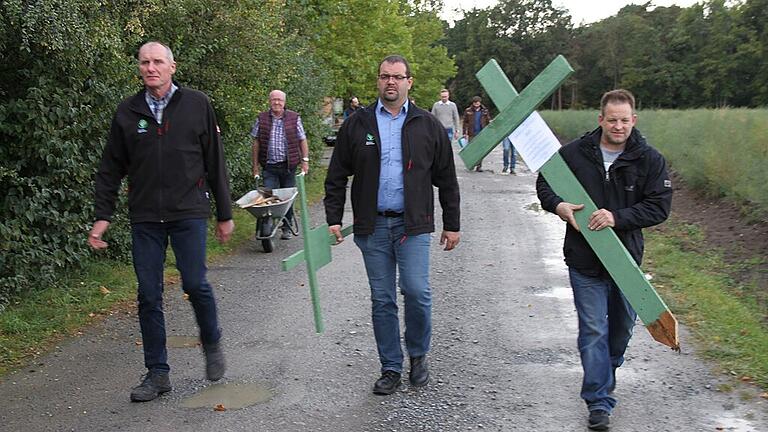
279	146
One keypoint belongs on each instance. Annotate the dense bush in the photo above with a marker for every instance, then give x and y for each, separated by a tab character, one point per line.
723	152
68	63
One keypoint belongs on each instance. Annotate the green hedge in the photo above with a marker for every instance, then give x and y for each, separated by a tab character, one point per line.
68	63
723	152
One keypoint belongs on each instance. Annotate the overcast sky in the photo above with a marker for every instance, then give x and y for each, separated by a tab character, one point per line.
586	11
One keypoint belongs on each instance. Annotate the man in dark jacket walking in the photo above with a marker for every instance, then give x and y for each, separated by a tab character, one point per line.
475	118
628	181
396	152
166	140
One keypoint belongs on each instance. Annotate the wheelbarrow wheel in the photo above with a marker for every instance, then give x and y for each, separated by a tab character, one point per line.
266	226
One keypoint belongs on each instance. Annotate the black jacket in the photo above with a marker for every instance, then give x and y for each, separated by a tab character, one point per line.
636	189
171	168
427	162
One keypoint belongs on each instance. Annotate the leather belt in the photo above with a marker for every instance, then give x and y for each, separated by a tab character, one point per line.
390	214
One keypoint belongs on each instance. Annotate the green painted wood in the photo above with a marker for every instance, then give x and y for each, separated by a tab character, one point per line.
316	252
618	262
496	84
609	249
310	257
516	111
298	257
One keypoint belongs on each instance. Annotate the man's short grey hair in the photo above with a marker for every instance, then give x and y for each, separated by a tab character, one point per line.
168	52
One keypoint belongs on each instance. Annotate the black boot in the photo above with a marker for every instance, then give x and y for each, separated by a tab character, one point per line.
153	385
387	384
419	375
214	361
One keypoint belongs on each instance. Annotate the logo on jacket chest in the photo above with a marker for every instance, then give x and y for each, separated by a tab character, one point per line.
369	140
142	126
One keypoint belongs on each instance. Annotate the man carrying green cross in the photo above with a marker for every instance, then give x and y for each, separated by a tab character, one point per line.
628	181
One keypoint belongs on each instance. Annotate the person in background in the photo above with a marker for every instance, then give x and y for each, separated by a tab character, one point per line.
476	117
397	153
446	111
354	105
628	181
166	140
279	146
508	157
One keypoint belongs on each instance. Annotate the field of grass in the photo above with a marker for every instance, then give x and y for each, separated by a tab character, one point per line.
723	152
700	289
33	324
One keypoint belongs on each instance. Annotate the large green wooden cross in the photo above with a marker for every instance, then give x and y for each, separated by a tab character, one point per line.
514	110
316	252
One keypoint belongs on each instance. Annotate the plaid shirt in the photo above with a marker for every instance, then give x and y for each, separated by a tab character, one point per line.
277	150
157	106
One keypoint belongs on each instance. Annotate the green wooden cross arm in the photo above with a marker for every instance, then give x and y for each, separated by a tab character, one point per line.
516	110
297	258
660	322
316	252
651	309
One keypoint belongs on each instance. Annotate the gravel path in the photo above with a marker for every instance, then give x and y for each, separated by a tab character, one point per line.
504	352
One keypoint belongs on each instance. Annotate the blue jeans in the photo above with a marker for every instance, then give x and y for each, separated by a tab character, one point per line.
449	131
606	320
280	176
150	241
509	154
385	251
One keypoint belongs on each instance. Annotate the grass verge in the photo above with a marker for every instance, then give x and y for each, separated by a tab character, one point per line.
32	324
722	314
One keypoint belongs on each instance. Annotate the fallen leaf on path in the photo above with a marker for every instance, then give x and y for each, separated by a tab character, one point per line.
219	407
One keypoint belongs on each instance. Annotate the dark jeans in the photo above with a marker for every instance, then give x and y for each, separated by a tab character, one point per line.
389	253
280	176
150	241
606	321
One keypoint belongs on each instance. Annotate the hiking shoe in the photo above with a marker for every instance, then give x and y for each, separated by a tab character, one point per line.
599	420
419	374
214	361
153	385
387	384
286	235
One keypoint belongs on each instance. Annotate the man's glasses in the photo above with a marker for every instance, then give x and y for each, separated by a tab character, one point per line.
386	77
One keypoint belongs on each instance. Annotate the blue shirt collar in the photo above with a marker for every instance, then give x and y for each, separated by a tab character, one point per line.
380	107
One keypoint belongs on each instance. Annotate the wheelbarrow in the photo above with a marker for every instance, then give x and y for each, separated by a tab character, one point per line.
270	216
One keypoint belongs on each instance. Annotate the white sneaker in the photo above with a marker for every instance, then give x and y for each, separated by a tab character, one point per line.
504	172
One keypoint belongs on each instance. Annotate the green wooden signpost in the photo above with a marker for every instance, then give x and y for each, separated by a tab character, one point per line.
316	252
514	109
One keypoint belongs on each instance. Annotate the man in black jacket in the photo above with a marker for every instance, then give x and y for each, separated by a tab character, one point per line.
396	152
628	181
166	140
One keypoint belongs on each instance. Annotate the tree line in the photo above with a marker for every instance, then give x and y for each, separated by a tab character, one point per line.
710	55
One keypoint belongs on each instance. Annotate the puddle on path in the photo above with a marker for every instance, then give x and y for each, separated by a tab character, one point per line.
563	293
229	395
732	424
182	341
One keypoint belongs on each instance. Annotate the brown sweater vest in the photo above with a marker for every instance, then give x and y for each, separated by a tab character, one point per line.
290	123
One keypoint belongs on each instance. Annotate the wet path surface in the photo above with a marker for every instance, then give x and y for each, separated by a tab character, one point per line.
504	351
